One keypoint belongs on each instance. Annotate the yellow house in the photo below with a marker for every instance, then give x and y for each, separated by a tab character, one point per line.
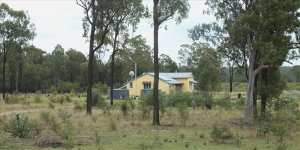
168	82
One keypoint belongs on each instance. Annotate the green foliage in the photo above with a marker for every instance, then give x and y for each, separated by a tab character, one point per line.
221	133
78	106
183	98
67	87
37	98
101	88
50	121
183	113
22	127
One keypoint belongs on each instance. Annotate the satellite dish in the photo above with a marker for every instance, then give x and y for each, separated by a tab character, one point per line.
131	74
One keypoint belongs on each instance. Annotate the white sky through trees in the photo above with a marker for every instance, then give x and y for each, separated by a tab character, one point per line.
60	22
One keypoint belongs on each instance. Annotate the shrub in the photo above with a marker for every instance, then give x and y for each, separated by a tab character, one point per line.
51	105
67	87
97	99
185	98
124	108
78	106
50	121
21	126
101	88
221	134
14	99
282	146
112	125
183	113
224	102
68	98
37	98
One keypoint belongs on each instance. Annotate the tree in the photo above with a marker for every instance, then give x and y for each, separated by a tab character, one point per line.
131	11
166	64
98	20
261	34
15	31
73	62
164	10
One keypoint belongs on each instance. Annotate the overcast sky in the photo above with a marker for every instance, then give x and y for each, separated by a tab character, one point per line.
60	22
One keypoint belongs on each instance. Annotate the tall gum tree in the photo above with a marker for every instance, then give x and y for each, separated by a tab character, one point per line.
97	23
130	14
15	31
262	34
164	10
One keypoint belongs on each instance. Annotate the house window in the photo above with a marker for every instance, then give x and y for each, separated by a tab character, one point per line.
130	85
147	85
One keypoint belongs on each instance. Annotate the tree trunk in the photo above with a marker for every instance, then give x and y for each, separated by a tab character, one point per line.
3	72
251	82
91	63
156	120
230	78
113	66
264	95
255	97
112	79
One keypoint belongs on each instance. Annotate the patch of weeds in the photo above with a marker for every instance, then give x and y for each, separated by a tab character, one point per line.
78	106
282	146
221	134
112	125
37	98
51	105
98	141
22	127
183	113
124	108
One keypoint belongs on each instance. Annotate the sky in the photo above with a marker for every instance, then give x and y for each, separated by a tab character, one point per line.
60	22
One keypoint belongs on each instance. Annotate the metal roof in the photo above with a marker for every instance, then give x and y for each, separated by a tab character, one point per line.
170	78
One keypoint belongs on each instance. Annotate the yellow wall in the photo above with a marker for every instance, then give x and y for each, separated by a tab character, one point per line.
137	85
186	84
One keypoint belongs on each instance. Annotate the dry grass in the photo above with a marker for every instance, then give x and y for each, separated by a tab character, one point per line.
118	132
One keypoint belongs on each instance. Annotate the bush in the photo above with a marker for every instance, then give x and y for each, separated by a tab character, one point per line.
221	134
67	87
97	99
101	88
50	121
124	108
22	127
183	113
37	98
183	98
14	99
78	106
112	125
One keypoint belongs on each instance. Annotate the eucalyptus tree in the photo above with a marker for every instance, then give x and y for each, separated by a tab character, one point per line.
261	33
166	64
99	18
129	15
164	10
15	31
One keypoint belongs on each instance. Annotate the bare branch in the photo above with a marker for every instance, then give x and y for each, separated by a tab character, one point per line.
261	67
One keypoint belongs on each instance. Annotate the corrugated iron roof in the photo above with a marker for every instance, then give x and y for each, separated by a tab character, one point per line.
170	78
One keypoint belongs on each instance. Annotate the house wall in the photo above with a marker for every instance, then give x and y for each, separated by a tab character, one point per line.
186	84
137	85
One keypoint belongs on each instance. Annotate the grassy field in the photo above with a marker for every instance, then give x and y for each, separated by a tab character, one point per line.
113	128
